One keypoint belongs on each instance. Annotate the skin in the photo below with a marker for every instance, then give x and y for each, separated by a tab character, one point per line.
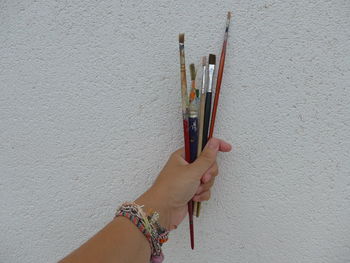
121	242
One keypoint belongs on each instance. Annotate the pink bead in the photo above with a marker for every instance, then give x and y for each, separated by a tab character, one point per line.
157	259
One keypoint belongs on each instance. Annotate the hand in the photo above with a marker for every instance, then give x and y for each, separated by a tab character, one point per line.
179	182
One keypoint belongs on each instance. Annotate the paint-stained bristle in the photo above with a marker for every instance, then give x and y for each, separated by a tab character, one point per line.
211	59
193	71
204	61
181	38
228	21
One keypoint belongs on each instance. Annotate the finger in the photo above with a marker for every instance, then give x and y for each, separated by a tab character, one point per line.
206	178
202	197
213	171
209	184
205	187
208	157
225	146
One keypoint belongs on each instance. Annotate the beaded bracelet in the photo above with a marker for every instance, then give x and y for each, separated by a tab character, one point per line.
149	227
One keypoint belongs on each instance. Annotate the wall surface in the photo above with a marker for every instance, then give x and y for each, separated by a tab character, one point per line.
90	110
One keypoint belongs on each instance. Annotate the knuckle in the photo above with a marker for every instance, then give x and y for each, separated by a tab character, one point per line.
206	158
215	171
211	183
205	187
208	195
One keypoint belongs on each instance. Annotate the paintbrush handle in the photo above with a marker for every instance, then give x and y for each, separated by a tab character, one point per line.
186	140
206	119
205	133
188	159
190	218
201	123
193	132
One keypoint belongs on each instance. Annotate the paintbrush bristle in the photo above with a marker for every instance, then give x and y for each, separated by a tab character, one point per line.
211	59
192	71
204	61
228	15
181	38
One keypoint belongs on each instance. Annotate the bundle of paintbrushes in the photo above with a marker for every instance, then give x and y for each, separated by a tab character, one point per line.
197	112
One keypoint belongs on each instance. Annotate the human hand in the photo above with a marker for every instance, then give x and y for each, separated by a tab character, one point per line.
179	182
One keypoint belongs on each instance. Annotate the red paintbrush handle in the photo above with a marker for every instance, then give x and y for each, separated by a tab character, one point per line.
217	90
187	140
188	159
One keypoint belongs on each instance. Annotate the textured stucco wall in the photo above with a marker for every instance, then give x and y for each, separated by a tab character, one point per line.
90	110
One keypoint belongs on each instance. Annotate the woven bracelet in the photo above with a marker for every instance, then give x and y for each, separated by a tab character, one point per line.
149	227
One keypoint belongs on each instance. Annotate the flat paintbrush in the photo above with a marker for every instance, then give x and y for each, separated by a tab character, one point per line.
203	90
208	95
185	112
207	109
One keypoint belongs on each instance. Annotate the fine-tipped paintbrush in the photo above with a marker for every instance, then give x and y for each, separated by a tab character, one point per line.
193	119
207	109
184	96
203	91
185	110
201	115
219	78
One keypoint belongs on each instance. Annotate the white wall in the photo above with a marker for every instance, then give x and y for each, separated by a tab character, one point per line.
90	110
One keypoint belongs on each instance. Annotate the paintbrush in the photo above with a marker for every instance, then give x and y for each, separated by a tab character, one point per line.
219	77
193	119
193	116
201	115
185	112
207	109
208	95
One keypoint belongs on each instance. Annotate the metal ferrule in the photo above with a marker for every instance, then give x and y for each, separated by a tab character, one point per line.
182	53
193	109
211	77
204	78
227	24
193	114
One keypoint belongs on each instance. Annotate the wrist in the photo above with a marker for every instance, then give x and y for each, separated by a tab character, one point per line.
153	202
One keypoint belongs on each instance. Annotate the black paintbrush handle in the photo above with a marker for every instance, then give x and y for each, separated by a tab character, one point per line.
207	110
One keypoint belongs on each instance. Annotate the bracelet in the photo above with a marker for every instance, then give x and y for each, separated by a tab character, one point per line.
149	227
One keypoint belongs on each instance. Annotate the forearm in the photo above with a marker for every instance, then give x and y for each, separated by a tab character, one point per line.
118	242
121	241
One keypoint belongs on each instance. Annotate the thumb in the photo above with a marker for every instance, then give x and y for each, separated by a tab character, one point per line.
207	158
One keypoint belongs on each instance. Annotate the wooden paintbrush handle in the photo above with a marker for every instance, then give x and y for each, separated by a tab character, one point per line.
201	123
217	91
